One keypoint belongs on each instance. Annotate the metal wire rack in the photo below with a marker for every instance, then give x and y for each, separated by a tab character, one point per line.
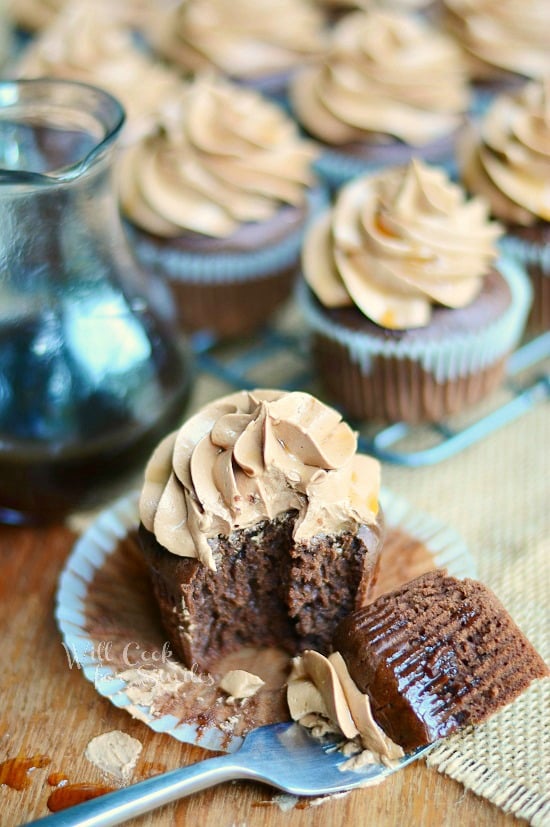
278	358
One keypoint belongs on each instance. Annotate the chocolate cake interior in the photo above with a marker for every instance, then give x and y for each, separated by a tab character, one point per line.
266	590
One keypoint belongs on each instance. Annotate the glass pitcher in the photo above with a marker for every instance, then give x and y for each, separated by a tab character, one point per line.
92	372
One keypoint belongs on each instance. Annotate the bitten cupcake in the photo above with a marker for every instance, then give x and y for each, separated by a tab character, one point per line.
261	526
218	197
507	160
390	88
411	318
255	42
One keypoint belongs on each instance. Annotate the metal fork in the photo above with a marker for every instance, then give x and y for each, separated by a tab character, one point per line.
282	755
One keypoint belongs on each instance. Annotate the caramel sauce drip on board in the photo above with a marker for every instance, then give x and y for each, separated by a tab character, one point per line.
15	771
72	794
56	778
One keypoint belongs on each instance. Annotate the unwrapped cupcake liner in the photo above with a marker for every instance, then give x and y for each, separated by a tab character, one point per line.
217	268
446	359
441	547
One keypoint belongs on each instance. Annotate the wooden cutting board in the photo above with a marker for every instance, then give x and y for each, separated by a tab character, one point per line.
50	713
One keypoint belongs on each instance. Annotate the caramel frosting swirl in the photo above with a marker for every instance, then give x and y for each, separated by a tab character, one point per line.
508	160
244	39
222	156
386	73
399	242
503	35
252	456
85	43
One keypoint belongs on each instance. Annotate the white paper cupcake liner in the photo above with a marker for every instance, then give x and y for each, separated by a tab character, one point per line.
446	359
440	544
527	253
216	268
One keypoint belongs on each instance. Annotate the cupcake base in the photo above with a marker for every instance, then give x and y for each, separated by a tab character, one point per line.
338	165
230	287
421	375
530	246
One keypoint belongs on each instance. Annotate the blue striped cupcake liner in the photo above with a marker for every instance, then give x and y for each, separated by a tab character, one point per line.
217	268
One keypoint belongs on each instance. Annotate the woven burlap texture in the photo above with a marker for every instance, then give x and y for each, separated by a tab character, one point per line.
497	495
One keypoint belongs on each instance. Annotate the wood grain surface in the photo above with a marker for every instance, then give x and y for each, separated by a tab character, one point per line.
50	710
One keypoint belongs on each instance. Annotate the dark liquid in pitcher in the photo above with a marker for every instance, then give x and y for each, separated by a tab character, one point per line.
69	437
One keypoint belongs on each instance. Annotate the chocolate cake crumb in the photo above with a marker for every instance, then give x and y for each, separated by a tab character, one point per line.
266	591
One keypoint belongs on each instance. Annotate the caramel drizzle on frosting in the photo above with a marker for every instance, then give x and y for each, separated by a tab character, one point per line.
386	73
221	157
508	161
397	243
243	38
503	33
252	456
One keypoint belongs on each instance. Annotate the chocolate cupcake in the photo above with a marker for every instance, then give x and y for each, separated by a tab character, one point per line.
390	88
260	525
504	42
411	319
507	161
217	198
258	43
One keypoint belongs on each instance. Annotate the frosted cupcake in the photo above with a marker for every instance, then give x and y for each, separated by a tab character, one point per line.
255	42
410	316
504	42
391	88
507	160
36	15
218	198
86	43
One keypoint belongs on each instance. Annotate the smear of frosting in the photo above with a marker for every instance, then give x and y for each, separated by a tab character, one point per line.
242	39
320	687
398	243
508	160
86	43
503	34
253	456
115	753
221	157
386	73
240	684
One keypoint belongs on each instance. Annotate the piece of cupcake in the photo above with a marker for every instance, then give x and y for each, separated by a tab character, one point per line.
411	318
507	161
87	43
390	88
218	197
255	42
417	664
260	525
505	42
